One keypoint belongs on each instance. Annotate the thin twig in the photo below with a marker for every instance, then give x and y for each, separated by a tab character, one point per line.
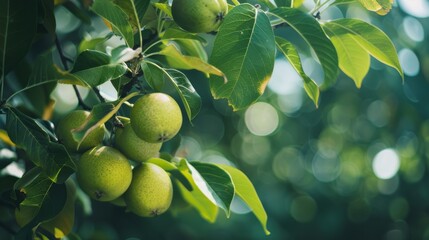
97	92
64	60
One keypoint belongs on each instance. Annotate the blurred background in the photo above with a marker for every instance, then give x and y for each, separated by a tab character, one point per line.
355	168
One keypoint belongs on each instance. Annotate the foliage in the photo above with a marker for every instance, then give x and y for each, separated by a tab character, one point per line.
142	50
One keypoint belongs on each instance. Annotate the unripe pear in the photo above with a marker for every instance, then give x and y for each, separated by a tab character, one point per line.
199	16
104	173
72	121
156	117
134	147
150	192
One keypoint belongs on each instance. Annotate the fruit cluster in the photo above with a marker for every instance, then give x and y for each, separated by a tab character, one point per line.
105	173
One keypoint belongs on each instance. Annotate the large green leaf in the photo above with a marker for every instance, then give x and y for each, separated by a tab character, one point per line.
128	6
292	56
354	60
99	115
177	60
199	197
190	98
96	68
244	50
311	31
382	7
18	26
177	33
117	18
245	190
27	134
219	183
369	37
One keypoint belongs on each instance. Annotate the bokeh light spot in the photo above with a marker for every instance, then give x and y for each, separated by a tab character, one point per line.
409	62
386	164
417	8
303	209
414	29
261	119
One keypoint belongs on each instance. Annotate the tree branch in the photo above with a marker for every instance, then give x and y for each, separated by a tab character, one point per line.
64	60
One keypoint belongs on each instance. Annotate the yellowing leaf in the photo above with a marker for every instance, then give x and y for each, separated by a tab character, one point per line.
5	138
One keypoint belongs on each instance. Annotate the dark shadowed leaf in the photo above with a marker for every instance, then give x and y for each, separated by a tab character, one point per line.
52	157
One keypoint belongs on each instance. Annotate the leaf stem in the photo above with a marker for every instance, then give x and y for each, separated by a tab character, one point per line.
236	3
65	65
151	46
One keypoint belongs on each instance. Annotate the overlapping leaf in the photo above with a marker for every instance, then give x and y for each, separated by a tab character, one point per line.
52	157
354	60
244	50
99	115
292	55
245	190
312	33
96	68
219	183
117	18
381	7
190	98
370	38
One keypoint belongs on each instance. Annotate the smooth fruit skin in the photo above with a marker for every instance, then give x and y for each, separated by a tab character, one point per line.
134	147
199	16
156	117
150	192
74	120
104	173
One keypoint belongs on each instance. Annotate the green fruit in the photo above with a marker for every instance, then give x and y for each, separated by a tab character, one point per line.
150	192
74	120
61	224
199	16
134	147
104	173
156	117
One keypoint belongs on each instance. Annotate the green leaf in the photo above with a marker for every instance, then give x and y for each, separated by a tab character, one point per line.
96	68
190	98
353	59
173	170
93	43
35	185
164	7
292	56
192	48
177	60
311	31
18	26
369	37
382	7
52	157
141	7
123	53
176	33
284	3
244	50
245	190
337	2
99	115
53	198
117	18
219	183
154	75
133	19
200	197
